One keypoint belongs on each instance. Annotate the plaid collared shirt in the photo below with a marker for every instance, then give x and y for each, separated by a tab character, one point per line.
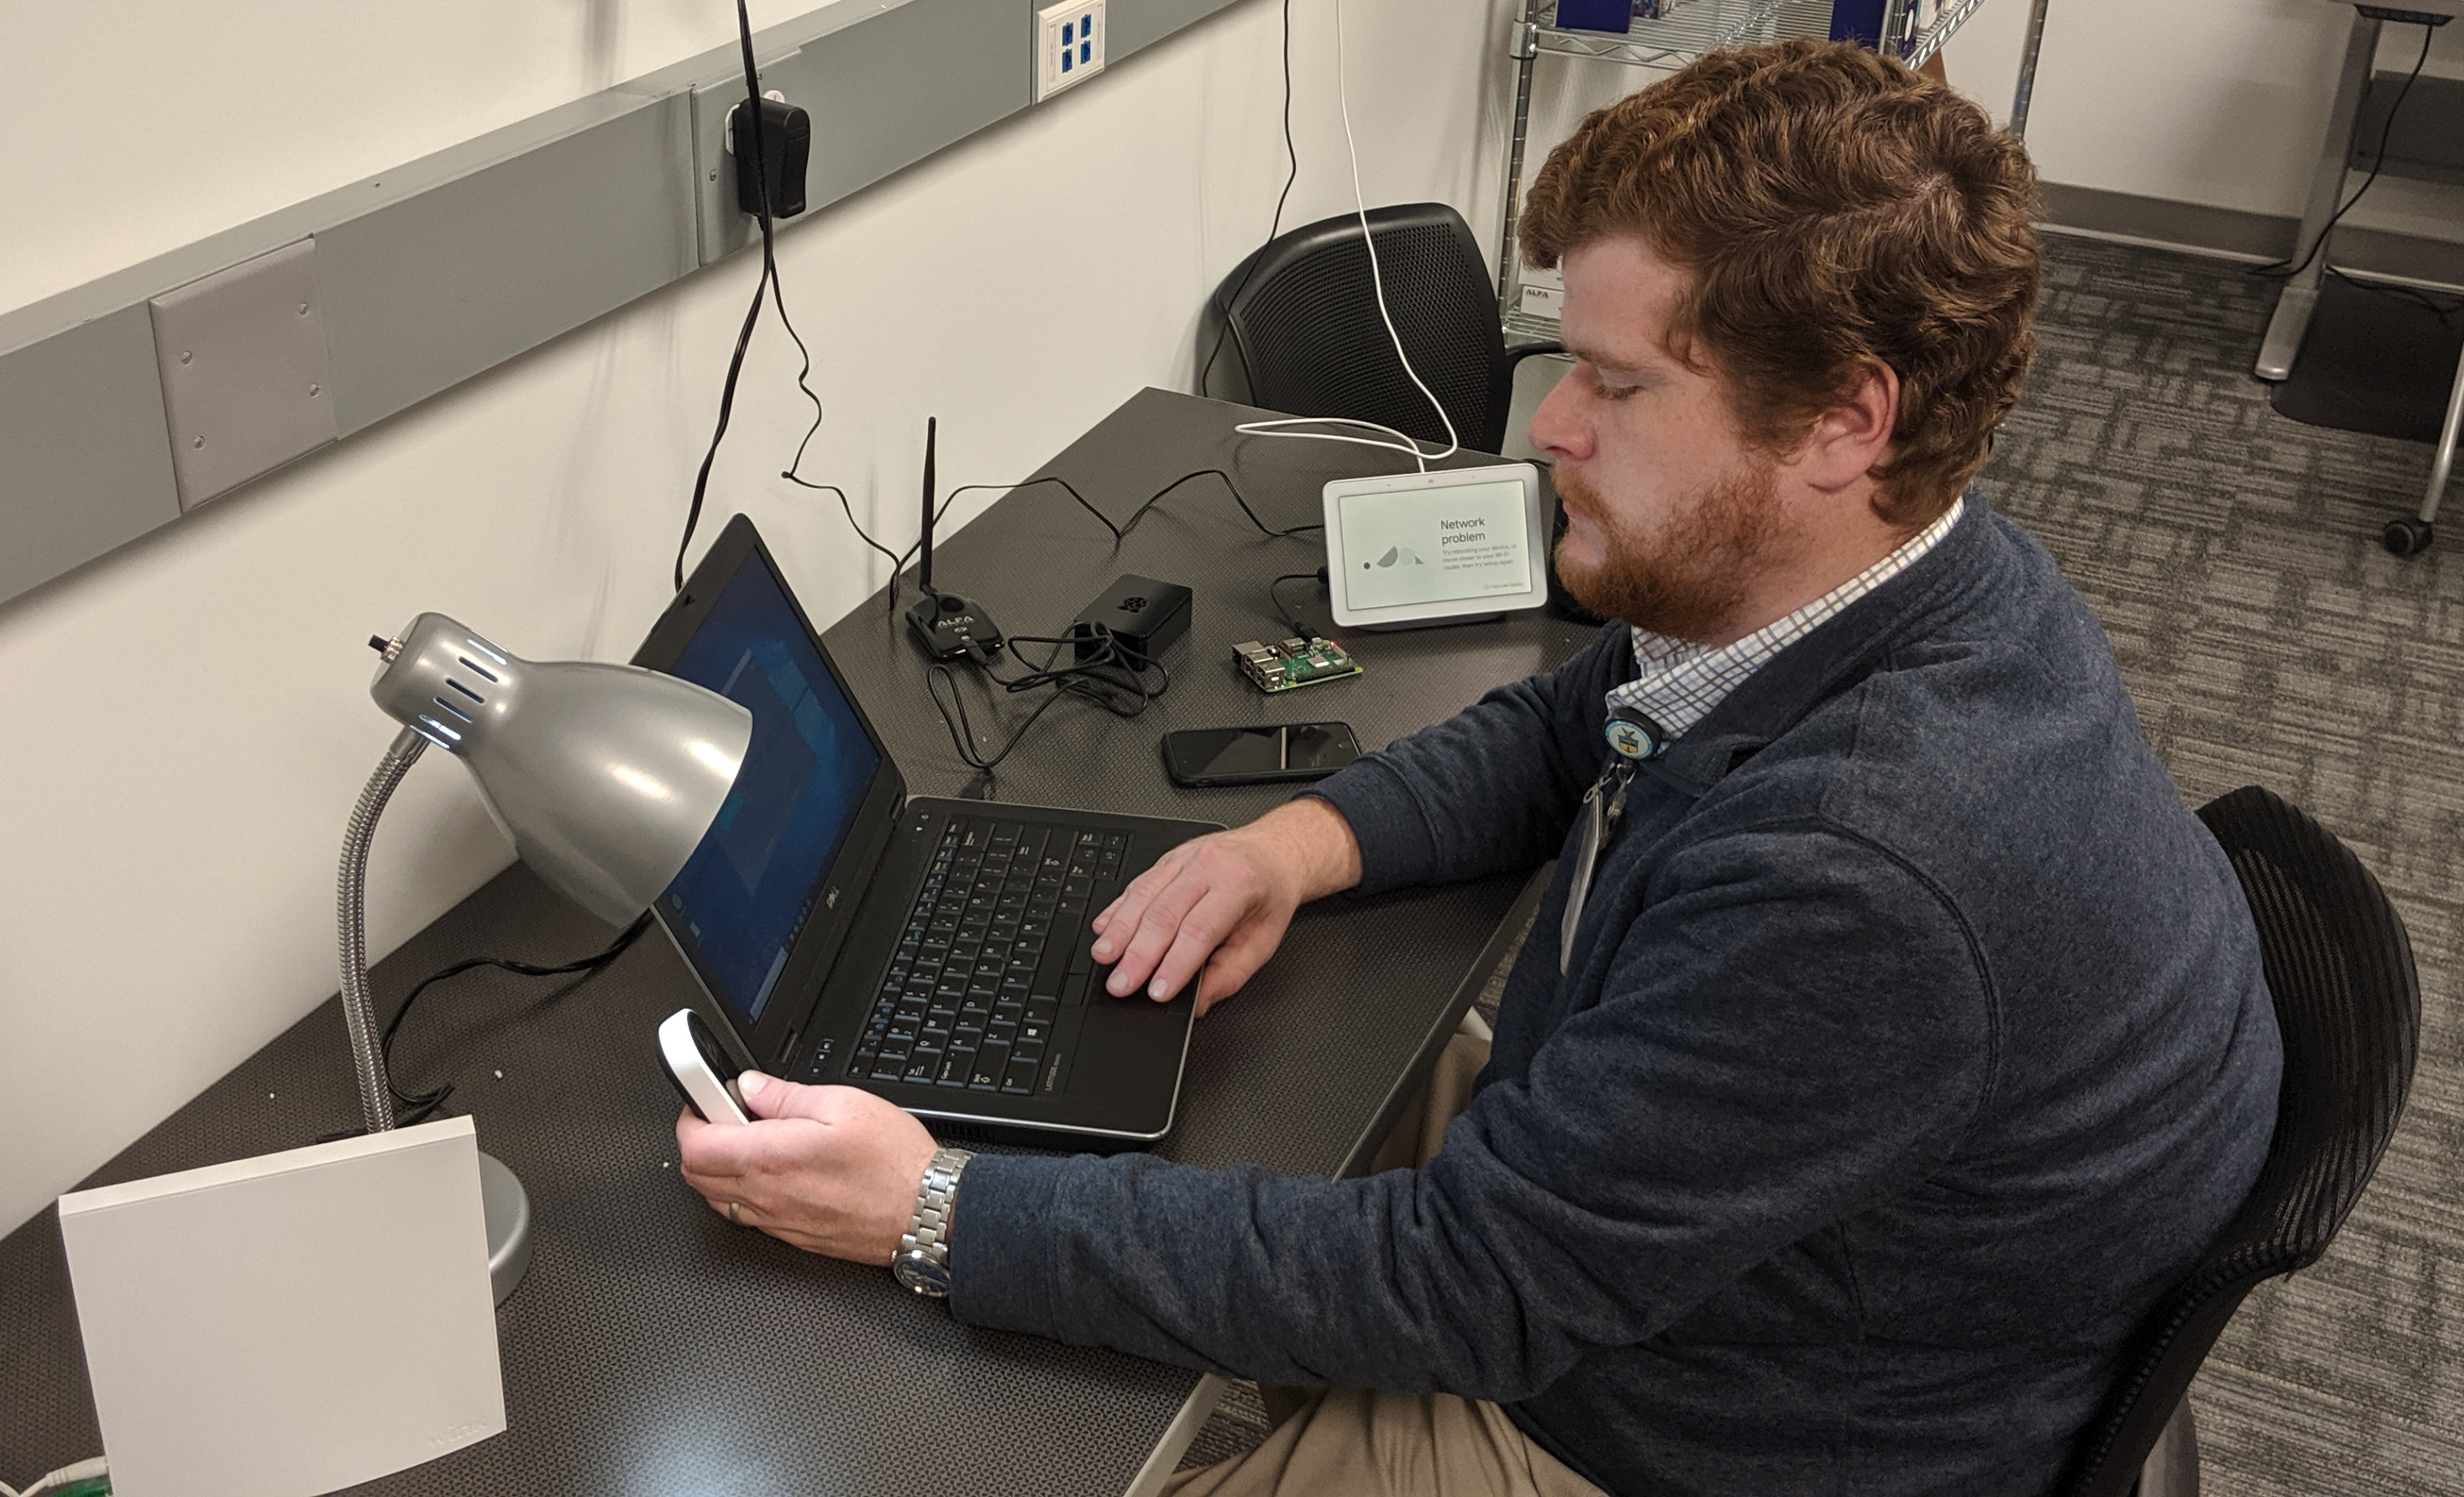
1679	681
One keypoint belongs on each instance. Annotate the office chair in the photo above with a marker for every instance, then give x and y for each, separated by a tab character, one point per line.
1300	331
1295	328
2348	1005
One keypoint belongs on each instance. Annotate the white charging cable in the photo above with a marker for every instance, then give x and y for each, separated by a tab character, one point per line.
1283	426
1378	284
53	1481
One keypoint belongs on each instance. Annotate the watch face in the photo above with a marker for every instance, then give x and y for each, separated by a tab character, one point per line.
917	1269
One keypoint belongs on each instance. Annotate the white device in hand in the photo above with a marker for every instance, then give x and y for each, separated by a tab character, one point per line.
699	1065
1443	547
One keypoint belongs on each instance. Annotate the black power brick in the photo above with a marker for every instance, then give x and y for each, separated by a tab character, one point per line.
786	148
1142	617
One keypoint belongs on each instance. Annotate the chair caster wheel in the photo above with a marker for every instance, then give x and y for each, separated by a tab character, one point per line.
2406	537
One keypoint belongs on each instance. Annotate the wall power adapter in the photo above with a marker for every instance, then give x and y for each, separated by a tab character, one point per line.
786	148
1142	616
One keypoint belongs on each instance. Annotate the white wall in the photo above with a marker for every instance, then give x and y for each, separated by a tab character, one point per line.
193	722
170	830
2219	102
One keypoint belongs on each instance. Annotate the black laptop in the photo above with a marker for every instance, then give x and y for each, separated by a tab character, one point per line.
932	951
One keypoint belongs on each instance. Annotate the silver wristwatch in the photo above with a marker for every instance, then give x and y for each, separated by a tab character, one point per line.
922	1262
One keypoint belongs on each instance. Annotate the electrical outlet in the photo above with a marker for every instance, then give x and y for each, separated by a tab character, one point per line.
1068	45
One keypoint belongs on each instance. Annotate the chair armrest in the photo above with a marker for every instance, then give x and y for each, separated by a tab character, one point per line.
1516	353
2171	1468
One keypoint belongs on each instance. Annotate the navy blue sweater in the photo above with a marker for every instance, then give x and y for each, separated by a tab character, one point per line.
1914	1043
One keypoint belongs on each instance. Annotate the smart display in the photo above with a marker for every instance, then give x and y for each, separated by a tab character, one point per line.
1420	548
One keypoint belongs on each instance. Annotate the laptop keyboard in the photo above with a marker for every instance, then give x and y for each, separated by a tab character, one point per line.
994	958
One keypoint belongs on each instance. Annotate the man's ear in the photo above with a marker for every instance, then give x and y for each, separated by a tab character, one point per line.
1848	440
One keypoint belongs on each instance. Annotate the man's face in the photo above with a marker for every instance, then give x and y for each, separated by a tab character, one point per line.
1669	513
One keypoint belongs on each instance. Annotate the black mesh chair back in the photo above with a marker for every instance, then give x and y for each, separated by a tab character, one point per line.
2340	968
1300	329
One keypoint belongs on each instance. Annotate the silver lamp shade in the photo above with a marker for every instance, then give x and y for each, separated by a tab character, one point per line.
605	776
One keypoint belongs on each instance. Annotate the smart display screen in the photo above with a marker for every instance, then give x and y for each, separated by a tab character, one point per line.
1420	546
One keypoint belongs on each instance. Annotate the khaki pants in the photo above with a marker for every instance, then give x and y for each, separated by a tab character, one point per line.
1367	1443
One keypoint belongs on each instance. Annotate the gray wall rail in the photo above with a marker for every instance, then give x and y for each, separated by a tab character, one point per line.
445	267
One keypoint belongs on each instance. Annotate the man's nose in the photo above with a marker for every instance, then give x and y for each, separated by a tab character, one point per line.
1559	431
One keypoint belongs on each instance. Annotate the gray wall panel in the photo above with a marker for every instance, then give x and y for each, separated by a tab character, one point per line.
444	267
85	464
429	290
36	322
1130	25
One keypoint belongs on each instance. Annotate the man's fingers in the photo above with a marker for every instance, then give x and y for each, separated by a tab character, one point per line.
742	1212
762	1095
1209	923
768	1097
1121	919
782	1115
704	1148
1237	960
1131	902
1135	893
1157	928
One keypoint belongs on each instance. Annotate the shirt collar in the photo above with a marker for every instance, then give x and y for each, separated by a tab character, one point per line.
1678	682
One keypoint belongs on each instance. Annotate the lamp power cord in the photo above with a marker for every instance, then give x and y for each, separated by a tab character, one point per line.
372	1049
424	1105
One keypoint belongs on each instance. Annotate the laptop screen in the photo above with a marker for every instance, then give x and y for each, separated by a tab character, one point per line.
746	892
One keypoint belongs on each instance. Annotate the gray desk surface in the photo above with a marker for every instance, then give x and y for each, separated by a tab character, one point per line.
653	1349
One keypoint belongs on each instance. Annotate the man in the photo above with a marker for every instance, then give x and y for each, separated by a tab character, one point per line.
1908	1039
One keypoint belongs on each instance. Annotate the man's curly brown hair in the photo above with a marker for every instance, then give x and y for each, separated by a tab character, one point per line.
1835	209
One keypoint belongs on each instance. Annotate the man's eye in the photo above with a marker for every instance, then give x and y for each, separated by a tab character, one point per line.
1610	391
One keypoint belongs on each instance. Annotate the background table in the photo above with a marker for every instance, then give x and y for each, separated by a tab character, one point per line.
652	1348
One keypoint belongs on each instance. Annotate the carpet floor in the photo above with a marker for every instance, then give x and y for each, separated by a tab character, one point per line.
2233	557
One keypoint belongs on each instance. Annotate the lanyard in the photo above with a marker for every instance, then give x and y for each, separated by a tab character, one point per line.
1603	812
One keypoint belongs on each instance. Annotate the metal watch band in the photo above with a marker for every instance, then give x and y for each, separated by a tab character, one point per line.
923	1260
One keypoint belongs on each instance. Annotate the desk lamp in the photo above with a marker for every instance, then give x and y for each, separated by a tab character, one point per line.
605	776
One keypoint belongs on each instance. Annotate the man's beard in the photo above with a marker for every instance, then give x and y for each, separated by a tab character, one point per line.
1691	581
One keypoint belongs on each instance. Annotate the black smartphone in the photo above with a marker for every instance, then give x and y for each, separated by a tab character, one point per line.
1201	757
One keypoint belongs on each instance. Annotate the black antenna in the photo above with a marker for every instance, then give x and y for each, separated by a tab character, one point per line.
924	573
948	626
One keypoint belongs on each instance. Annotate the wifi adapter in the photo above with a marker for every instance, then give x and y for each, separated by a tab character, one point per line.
947	626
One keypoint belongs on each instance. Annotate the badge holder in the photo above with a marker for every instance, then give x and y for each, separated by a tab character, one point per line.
1637	739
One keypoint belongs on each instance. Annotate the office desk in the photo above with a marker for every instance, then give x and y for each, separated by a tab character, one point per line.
654	1349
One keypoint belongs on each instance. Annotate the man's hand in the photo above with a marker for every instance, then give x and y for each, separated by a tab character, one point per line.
1218	905
829	1169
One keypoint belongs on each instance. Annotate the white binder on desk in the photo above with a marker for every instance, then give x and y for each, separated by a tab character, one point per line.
289	1325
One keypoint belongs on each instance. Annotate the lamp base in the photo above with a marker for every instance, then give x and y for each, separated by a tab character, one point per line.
507	1207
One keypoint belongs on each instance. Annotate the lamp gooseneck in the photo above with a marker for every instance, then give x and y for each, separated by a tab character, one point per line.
605	776
359	1012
